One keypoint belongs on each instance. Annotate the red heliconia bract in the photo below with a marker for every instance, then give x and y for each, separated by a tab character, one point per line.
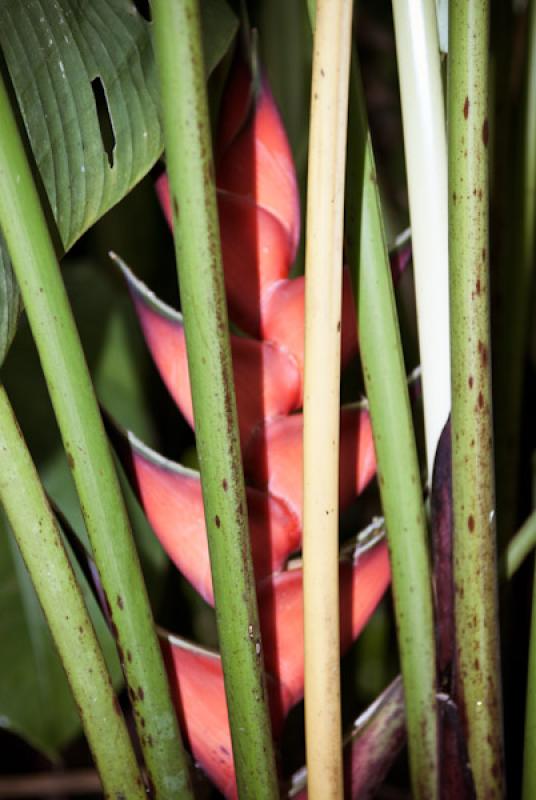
255	161
361	587
172	500
268	382
259	219
283	318
274	458
197	679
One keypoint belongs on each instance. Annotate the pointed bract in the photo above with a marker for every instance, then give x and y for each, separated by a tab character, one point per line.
172	499
257	164
196	675
267	380
361	587
196	679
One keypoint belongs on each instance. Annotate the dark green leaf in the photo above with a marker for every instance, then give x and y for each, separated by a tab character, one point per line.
85	80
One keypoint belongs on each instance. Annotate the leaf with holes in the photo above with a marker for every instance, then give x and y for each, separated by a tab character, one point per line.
85	80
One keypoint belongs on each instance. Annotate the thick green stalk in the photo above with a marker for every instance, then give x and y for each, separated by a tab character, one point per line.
42	548
394	440
475	563
197	245
47	306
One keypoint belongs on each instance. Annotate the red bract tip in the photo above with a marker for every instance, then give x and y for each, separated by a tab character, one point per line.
196	679
274	458
361	587
172	500
267	380
255	161
283	318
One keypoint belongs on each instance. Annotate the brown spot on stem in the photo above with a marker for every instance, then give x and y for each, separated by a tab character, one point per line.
470	381
70	460
471	523
466	108
478	286
141	693
225	484
120	602
483	352
217	521
480	400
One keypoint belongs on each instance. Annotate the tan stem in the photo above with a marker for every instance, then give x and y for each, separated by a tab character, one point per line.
323	267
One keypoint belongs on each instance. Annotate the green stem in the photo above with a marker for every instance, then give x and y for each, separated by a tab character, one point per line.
69	383
394	440
475	567
197	244
42	548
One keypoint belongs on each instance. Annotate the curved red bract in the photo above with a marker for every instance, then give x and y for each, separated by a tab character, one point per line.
259	220
197	678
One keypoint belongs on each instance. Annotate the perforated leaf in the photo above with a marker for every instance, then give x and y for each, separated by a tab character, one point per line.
84	77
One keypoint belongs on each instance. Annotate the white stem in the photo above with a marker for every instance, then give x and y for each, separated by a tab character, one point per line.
323	268
423	117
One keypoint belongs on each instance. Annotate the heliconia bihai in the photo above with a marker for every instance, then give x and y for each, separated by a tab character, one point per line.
267	380
171	497
258	207
274	458
196	675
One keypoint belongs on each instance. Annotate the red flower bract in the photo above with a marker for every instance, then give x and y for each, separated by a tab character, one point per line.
259	220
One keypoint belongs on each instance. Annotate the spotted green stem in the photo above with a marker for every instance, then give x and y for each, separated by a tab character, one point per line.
197	245
475	563
43	551
37	270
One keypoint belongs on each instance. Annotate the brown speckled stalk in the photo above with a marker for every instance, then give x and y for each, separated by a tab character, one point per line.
475	568
197	246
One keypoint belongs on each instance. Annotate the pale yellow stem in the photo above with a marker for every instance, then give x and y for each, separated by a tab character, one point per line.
323	266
